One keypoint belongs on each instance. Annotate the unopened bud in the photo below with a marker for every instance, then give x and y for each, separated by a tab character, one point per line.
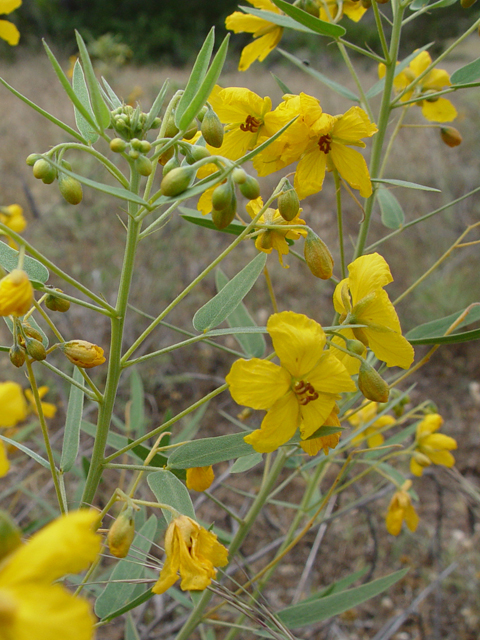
200	478
143	165
117	145
173	163
311	7
121	533
83	354
224	217
171	129
156	123
145	146
421	459
191	130
366	4
355	346
222	196
17	355
199	153
43	170
318	257
451	136
32	158
71	189
288	203
165	157
134	154
10	538
35	349
55	303
239	175
212	129
177	181
371	384
250	188
466	4
31	332
202	112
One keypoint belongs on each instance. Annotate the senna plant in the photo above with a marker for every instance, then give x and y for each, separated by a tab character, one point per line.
324	405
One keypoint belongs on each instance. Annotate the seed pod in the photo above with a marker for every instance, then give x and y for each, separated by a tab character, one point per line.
212	129
371	384
32	158
224	217
71	189
250	188
55	303
222	196
191	130
239	175
198	152
121	533
177	181
43	170
144	166
35	349
318	257
17	355
288	203
451	136
117	145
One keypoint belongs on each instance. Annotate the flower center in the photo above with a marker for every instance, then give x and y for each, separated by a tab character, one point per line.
305	392
251	124
325	143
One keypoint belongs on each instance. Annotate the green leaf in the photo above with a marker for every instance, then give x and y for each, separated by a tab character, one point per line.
309	612
331	84
71	438
339	585
433	332
44	113
311	22
324	430
131	632
114	440
207	451
277	18
137	409
281	84
100	109
206	87
197	76
112	96
133	604
37	273
156	106
195	217
379	86
81	91
392	213
32	322
246	462
129	569
168	489
418	4
26	450
407	185
468	73
227	300
254	344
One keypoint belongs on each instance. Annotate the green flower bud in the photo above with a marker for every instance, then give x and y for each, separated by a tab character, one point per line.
191	130
288	202
10	538
212	129
121	534
250	188
156	123
173	163
239	175
197	152
136	144
171	129
134	154
71	189
318	257
202	113
32	158
143	165
55	303
355	346
145	146
371	384
222	196
31	332
35	349
43	170
17	355
177	181
165	157
117	145
222	218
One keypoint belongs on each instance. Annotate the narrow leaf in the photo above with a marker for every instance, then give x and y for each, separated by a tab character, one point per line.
197	76
157	105
331	84
404	183
418	4
131	632
71	438
37	273
170	490
310	611
228	299
81	91
207	451
26	450
246	462
433	332
468	73
379	86
393	216
137	409
206	87
114	99
253	345
309	21
133	604
277	18
195	217
281	84
100	109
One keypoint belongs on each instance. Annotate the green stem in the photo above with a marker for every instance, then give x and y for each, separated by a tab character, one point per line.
363	98
381	32
393	137
111	168
338	196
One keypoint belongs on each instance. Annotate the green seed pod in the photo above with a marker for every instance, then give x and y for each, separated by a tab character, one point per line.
55	303
191	130
222	196
371	384
173	163
32	158
43	170
199	153
318	257
121	534
145	146
71	189
17	355
177	181
212	129
250	188
10	537
239	175
288	203
143	165
222	218
35	349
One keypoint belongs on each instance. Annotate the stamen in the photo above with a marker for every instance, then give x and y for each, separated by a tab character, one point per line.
304	392
325	143
251	124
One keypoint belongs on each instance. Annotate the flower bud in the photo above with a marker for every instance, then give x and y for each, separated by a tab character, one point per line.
117	145
288	203
10	537
31	332
222	196
200	478
239	175
197	152
165	157
451	136
156	123
191	130
83	354
250	188
371	384
355	346
16	294
71	189
17	355
145	146
177	181
202	112
212	129
224	217
421	459
318	257
466	4
121	533
144	166
134	154
311	7
35	349
55	303
366	4
32	158
173	163
43	170
171	128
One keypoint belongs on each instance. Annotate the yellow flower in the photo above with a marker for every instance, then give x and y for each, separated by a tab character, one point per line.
401	509
4	466
360	299
200	478
83	354
271	239
13	408
364	415
351	8
266	34
9	31
16	294
30	605
194	552
435	109
300	393
49	409
12	217
431	447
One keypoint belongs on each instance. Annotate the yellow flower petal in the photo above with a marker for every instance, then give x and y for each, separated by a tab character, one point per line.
351	165
439	441
353	125
330	376
240	22
394	520
200	478
374	439
432	422
9	32
411	518
415	468
278	426
313	446
366	274
4	463
7	6
260	48
442	110
13	407
437	79
353	9
315	413
391	348
420	63
310	173
257	383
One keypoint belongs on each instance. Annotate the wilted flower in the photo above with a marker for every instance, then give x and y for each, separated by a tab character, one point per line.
401	509
431	447
363	416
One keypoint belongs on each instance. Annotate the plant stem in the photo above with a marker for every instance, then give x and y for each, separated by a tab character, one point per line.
338	196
